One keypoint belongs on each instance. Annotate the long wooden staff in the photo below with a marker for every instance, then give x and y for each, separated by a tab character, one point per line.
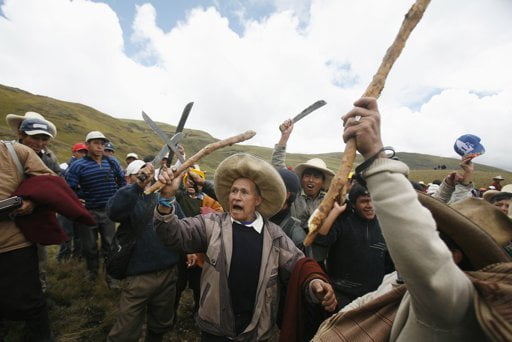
411	19
203	153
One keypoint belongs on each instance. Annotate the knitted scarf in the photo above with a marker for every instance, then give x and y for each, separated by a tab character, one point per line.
373	321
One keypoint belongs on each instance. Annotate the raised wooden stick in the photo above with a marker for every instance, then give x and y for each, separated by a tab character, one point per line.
411	19
203	153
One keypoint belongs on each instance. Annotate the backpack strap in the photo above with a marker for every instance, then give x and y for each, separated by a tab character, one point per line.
15	158
113	169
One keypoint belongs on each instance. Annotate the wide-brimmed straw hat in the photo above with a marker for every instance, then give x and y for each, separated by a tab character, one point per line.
14	121
264	175
495	195
498	178
318	164
480	229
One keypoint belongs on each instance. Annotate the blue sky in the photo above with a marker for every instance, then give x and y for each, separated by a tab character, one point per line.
173	11
250	65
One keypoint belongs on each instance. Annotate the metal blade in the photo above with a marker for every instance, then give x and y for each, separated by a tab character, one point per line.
156	161
155	127
173	145
184	117
309	110
179	129
161	155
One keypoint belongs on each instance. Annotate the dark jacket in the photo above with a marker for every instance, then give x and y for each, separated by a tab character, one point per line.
358	257
49	159
134	211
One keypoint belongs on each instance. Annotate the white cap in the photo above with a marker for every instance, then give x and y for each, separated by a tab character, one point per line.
134	167
432	189
95	135
132	155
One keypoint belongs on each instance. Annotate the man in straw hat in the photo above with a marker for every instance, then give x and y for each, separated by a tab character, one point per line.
500	199
497	182
314	177
248	258
33	130
438	301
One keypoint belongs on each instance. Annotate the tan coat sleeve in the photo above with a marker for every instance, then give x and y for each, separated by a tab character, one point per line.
441	294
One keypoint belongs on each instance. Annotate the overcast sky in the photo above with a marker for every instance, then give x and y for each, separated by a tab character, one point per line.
251	64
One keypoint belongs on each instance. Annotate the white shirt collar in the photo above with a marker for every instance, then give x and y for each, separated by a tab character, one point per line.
257	224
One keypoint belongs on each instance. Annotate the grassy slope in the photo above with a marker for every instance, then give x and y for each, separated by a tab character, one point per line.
86	311
74	120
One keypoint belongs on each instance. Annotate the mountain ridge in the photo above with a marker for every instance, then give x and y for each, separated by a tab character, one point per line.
75	120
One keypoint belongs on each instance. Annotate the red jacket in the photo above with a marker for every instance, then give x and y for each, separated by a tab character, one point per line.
300	319
50	194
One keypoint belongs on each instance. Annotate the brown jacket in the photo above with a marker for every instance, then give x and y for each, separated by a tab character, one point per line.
11	237
212	235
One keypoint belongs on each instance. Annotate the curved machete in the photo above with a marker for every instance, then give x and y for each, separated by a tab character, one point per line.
179	128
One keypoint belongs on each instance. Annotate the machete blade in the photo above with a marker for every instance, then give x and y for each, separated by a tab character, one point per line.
184	117
309	110
155	127
180	127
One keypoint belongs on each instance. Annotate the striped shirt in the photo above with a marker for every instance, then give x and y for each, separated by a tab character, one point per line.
93	182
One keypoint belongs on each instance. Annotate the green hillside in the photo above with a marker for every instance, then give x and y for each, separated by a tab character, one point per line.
74	121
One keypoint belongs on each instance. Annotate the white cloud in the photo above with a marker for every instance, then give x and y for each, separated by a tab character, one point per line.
74	50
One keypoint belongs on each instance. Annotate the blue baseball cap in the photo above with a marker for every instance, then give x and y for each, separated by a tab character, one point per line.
468	144
34	126
109	146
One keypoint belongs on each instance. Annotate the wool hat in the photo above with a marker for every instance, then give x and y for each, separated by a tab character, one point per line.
109	146
134	167
33	126
14	121
95	135
357	191
291	182
480	229
264	175
197	171
132	155
318	164
79	147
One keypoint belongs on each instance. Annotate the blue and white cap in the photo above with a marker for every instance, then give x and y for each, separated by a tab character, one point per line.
33	126
468	144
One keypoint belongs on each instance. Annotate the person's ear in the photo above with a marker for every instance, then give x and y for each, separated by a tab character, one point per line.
259	199
457	255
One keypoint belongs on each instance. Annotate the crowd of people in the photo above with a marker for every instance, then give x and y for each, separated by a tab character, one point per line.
394	260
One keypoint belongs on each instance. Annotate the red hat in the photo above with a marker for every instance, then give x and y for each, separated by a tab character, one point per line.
79	146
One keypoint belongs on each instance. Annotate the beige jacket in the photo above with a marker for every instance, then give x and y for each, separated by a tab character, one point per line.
11	237
438	304
212	234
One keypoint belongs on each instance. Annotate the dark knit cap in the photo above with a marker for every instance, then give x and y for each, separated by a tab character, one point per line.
356	192
291	181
